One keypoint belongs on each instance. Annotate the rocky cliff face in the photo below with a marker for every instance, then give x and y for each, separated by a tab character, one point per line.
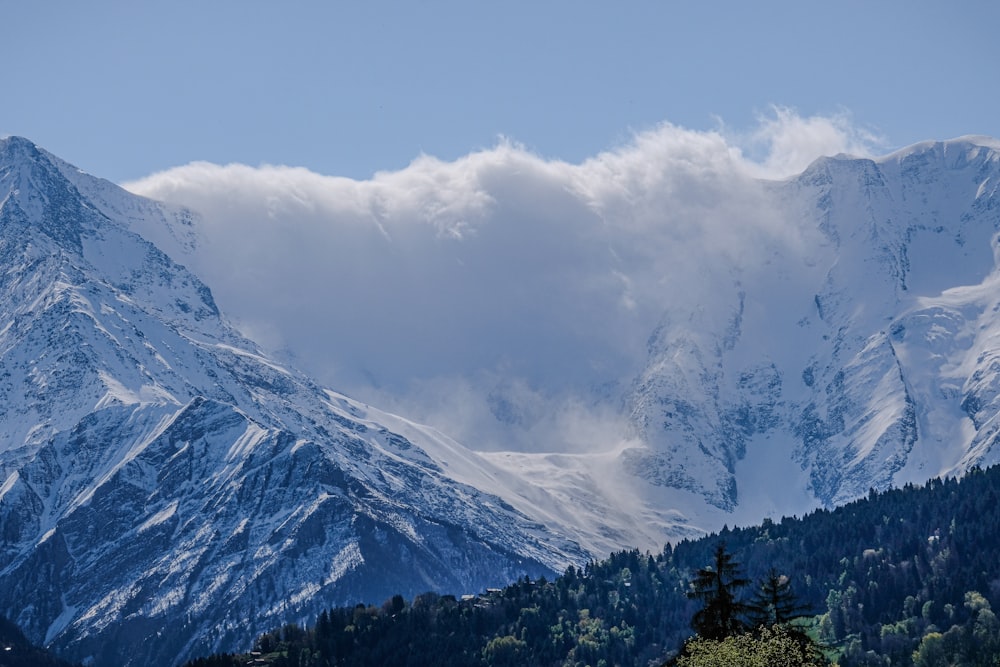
831	331
166	489
864	356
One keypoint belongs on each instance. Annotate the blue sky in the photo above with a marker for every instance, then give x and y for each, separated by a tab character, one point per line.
124	89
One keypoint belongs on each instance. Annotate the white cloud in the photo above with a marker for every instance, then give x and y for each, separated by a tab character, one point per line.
497	284
788	143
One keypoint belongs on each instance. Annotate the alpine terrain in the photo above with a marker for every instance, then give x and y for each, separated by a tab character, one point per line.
164	488
168	488
864	357
707	331
862	353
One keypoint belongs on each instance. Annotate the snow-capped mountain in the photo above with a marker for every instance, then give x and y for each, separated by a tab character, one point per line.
863	357
162	476
857	350
165	489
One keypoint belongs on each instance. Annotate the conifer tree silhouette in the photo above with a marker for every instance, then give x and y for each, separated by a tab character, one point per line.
717	586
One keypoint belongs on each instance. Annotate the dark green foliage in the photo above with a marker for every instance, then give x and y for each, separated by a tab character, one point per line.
220	660
717	587
774	603
768	636
905	575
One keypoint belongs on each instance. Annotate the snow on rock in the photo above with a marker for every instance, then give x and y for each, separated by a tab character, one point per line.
867	357
167	481
167	489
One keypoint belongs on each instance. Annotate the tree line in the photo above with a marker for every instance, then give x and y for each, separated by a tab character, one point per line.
907	576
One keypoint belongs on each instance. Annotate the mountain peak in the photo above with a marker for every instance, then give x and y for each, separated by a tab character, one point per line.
56	216
951	151
18	154
34	194
15	148
187	484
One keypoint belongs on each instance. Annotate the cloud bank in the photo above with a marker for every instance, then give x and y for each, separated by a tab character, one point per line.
503	297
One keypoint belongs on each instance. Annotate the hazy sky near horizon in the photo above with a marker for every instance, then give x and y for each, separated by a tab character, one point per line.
123	89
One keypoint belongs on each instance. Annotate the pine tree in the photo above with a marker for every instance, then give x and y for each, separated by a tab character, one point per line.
775	603
716	586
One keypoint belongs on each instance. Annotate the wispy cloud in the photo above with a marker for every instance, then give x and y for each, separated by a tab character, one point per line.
784	143
503	297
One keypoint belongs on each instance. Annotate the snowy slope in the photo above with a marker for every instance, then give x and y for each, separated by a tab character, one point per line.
173	470
862	355
864	359
166	489
831	330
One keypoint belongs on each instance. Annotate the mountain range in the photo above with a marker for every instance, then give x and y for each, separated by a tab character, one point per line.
168	487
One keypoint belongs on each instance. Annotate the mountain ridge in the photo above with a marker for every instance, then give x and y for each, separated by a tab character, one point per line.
862	292
163	478
878	578
774	315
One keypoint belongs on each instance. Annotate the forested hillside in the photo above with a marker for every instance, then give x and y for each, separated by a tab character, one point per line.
907	576
17	651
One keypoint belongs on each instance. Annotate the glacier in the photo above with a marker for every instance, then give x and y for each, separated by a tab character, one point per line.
723	326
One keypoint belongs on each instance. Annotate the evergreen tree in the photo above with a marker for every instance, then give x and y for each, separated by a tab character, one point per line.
890	572
775	603
716	587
